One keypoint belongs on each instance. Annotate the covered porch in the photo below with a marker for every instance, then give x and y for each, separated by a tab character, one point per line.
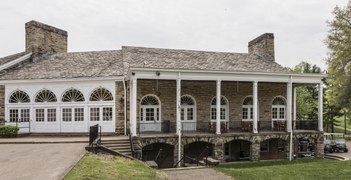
188	103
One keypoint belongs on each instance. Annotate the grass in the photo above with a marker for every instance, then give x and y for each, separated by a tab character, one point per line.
301	169
93	166
341	121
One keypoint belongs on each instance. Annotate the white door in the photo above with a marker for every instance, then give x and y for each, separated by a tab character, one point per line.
73	120
20	117
150	119
45	120
187	116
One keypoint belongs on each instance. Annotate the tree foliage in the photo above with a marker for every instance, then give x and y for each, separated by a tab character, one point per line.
339	57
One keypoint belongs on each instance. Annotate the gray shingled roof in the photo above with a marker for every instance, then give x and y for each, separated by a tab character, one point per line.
117	63
12	57
197	60
71	65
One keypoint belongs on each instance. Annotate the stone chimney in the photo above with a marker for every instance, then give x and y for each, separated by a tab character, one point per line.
42	38
263	46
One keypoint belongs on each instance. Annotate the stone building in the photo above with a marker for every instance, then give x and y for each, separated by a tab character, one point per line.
238	106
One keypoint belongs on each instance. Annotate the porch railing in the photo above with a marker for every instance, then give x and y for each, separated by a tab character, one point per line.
165	126
305	125
272	125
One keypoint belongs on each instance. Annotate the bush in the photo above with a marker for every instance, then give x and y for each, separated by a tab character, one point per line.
8	131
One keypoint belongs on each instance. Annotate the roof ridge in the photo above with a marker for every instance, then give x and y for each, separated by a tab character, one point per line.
189	50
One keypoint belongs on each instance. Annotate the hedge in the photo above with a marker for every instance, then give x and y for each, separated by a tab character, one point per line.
8	131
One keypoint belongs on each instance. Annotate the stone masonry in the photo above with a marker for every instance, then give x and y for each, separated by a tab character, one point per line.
42	38
263	46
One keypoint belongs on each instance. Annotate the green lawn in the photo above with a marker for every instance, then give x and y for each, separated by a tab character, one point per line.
341	121
93	166
308	169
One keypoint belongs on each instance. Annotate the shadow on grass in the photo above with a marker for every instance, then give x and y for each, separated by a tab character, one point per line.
270	163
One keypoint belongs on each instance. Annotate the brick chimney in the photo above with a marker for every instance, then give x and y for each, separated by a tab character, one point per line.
42	38
263	46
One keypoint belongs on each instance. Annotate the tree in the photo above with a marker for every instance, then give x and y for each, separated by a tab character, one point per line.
339	57
307	95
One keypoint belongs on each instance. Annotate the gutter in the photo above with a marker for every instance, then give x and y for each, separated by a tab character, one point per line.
16	61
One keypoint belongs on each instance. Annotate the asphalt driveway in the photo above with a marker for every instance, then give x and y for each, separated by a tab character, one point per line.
38	161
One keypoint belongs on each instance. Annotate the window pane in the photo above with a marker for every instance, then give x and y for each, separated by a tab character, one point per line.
182	114
251	113
107	114
150	114
142	114
190	114
66	114
158	114
13	115
51	115
39	115
223	112
213	113
94	114
79	114
281	113
274	113
24	115
245	113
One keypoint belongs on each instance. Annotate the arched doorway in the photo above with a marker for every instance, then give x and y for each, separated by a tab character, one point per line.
237	150
161	153
197	151
273	149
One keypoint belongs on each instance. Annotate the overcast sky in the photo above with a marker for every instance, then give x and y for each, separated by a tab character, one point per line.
299	26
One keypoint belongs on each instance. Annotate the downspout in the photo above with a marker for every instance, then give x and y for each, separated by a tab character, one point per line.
125	106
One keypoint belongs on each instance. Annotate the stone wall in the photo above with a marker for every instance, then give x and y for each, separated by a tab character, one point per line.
42	38
218	142
263	46
119	107
2	104
204	91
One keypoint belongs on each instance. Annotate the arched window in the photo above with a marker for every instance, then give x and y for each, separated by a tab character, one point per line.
45	96
247	109
278	108
101	94
187	111
150	109
224	109
73	95
19	97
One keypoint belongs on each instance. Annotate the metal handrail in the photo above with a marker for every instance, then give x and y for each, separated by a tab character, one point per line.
190	158
206	149
158	155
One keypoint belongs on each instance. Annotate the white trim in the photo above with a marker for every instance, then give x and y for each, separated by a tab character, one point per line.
16	61
255	106
320	107
89	79
221	106
218	107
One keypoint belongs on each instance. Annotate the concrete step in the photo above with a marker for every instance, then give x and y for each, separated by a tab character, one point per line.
115	142
119	148
116	145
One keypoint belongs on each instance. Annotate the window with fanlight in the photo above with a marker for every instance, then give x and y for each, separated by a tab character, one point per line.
20	113
150	109
278	108
247	109
187	112
224	115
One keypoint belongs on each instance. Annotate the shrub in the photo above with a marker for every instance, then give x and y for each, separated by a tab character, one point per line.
8	131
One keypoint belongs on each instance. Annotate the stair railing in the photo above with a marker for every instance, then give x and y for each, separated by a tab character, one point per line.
186	157
203	151
158	155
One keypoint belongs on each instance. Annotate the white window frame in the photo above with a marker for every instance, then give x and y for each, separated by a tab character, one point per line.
225	107
278	107
19	113
73	114
101	113
185	109
45	114
157	114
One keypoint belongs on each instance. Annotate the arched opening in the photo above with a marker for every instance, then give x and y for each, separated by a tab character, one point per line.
197	151
150	114
224	114
161	153
273	149
237	150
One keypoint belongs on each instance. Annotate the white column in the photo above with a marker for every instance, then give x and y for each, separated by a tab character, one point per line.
320	107
179	125
255	106
288	105
133	107
294	114
218	107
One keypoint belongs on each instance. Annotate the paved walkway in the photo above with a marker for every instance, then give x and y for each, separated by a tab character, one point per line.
38	161
196	174
52	139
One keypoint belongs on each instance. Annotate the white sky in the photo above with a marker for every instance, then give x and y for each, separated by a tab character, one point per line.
299	26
